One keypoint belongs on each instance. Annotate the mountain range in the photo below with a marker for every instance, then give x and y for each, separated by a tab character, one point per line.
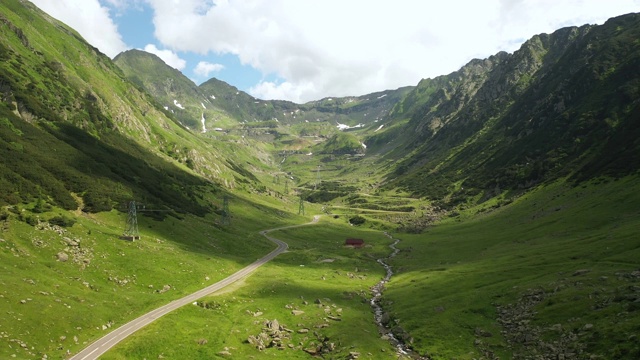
82	136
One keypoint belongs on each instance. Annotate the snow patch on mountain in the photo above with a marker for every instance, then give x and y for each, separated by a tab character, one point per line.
343	127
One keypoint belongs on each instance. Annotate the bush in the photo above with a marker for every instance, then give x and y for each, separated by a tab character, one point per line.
62	221
357	220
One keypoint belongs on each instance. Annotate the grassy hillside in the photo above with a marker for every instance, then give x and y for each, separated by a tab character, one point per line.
80	280
555	272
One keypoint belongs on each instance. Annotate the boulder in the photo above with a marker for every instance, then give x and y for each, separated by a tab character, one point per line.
62	256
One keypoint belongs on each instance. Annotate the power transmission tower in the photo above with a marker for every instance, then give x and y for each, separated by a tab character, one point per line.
226	214
131	232
317	178
131	228
301	207
286	186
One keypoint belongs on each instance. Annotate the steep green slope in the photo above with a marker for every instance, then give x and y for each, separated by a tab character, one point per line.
554	273
174	91
563	104
102	131
68	129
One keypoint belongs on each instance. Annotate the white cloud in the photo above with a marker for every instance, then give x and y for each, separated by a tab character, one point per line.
90	19
205	68
337	48
169	57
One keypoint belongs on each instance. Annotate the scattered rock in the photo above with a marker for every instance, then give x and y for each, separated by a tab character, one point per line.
303	331
203	342
224	353
70	242
581	272
62	256
297	312
311	351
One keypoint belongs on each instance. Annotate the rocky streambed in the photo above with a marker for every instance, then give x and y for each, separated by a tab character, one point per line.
395	335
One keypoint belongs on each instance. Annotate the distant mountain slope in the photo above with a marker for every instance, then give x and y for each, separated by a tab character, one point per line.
173	91
72	125
563	104
221	103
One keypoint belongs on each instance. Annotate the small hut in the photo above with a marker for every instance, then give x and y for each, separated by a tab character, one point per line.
356	243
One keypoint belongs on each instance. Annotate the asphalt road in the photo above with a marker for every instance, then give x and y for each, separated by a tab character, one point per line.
105	343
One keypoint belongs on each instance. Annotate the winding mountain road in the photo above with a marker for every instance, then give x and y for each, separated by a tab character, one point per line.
108	341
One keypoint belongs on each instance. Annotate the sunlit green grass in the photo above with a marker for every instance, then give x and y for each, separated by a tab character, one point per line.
122	279
294	280
453	276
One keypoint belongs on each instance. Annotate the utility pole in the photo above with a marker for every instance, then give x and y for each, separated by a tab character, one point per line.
301	207
226	214
131	228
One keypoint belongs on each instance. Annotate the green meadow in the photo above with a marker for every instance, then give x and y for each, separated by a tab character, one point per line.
555	269
81	281
326	282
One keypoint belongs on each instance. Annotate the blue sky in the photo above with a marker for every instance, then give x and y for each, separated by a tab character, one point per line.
136	27
302	50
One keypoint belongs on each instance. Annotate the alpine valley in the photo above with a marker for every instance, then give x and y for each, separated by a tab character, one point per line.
512	185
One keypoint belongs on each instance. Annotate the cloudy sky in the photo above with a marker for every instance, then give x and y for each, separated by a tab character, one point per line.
304	50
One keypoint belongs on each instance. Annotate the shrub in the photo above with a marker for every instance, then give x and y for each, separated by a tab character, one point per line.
62	221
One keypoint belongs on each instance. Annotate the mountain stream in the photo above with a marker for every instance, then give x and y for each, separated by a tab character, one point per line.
401	347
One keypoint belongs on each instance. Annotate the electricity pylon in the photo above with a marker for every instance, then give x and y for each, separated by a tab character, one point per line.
301	207
317	178
131	231
286	187
131	228
226	214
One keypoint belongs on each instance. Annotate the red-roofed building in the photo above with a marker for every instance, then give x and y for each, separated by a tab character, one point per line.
356	243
